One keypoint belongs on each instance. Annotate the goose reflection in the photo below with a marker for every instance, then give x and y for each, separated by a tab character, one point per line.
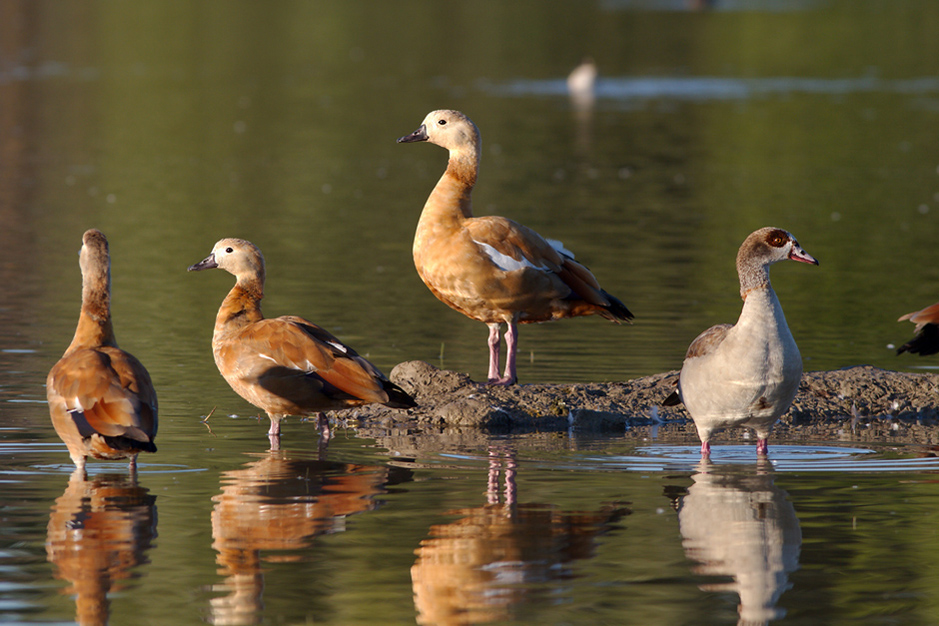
473	570
99	531
281	504
743	526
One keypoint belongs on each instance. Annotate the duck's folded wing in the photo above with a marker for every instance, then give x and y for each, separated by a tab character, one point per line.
511	246
106	392
291	356
929	315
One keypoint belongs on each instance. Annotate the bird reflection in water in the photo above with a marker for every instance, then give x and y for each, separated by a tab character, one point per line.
740	525
99	531
475	569
279	504
581	89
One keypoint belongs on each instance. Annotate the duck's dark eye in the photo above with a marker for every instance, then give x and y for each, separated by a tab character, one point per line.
229	250
442	122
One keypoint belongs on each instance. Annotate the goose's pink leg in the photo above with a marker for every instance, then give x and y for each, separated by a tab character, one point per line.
762	447
705	449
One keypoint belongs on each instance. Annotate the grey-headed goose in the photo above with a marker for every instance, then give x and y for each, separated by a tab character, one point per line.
746	374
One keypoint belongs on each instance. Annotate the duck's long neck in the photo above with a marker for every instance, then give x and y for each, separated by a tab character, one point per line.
94	322
240	307
450	200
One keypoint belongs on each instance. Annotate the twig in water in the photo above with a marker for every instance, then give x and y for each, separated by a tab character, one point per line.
206	418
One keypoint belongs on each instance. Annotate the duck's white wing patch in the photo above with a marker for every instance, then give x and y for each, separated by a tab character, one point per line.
504	262
559	247
338	346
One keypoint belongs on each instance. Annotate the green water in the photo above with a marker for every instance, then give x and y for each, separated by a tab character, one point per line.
170	125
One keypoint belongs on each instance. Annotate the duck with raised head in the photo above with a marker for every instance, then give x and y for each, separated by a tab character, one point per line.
490	268
925	340
285	365
101	399
746	374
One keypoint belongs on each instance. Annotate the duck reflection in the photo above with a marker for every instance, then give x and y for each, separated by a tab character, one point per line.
742	526
280	504
475	569
99	531
581	89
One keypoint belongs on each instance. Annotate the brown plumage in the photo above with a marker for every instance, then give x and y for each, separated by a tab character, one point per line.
926	339
101	399
286	365
490	268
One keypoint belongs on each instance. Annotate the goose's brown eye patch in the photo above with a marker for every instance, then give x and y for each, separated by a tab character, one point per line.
777	239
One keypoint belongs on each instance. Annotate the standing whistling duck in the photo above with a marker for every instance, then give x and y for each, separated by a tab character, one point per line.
746	374
101	399
490	268
286	365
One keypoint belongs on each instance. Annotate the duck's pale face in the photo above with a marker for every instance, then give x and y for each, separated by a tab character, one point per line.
238	257
449	129
235	256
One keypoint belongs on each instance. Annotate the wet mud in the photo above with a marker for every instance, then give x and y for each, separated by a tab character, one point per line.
860	403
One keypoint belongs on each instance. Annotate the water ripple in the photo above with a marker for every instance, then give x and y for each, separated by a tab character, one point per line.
782	458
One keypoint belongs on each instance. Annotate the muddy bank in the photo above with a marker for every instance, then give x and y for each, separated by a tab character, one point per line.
861	397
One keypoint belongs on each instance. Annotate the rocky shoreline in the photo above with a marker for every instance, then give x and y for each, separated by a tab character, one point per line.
853	399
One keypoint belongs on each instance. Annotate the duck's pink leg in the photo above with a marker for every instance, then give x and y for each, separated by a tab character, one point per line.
762	447
274	433
494	347
511	349
322	425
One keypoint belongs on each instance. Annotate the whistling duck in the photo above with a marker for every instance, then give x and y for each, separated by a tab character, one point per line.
490	268
101	399
926	340
286	365
746	374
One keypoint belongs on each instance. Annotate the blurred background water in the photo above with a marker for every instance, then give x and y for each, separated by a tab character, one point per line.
171	125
